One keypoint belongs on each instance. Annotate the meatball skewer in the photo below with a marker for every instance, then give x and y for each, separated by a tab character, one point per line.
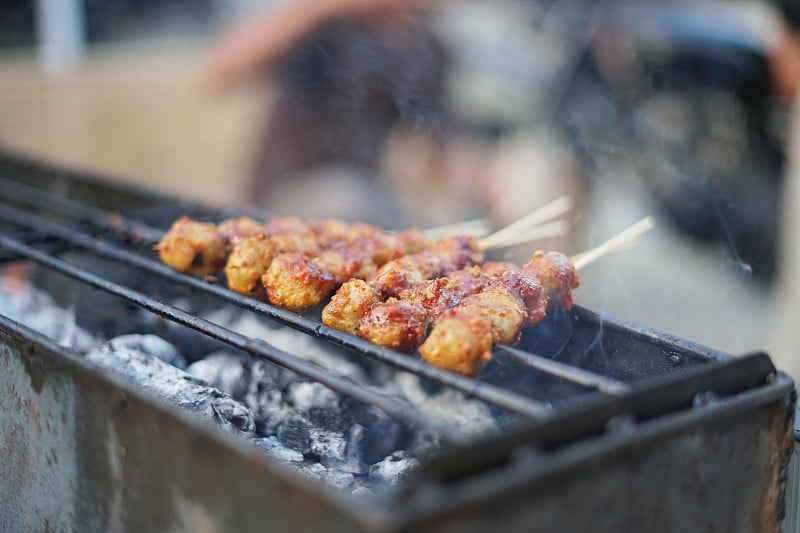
202	248
400	323
297	282
462	338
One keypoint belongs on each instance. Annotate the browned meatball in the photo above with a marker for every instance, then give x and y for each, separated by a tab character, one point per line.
452	253
330	231
250	259
461	341
505	311
349	304
528	289
557	274
396	324
196	248
235	230
247	263
404	273
286	226
296	282
344	265
494	268
443	293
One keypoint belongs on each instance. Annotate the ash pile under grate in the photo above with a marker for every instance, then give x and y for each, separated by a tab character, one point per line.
323	436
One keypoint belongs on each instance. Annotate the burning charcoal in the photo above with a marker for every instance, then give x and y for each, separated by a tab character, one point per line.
275	449
376	442
330	446
362	492
297	343
151	345
340	480
394	469
469	416
175	386
424	444
306	396
329	419
263	394
36	310
294	432
223	370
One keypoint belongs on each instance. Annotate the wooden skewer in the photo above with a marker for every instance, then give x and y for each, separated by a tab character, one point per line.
623	247
543	231
546	212
617	243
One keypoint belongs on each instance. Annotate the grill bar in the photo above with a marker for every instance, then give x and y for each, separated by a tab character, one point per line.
510	401
570	373
397	409
32	196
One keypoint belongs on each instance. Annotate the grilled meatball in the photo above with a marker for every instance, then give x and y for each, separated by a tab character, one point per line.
344	265
460	342
247	262
330	231
498	313
349	304
250	259
235	230
396	324
443	293
505	311
557	274
452	253
494	268
296	282
196	248
286	226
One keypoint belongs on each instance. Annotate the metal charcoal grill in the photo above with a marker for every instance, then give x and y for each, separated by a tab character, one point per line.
601	421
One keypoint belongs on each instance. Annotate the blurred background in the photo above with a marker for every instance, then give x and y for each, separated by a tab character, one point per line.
409	112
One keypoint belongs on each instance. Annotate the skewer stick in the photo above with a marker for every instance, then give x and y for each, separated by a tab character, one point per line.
546	212
478	227
623	247
543	231
617	243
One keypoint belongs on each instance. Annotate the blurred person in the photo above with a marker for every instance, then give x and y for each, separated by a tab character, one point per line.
348	72
360	126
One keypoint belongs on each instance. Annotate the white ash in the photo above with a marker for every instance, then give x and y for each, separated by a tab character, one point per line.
295	342
38	311
340	480
174	386
472	417
331	447
263	393
151	345
223	370
306	396
275	449
394	469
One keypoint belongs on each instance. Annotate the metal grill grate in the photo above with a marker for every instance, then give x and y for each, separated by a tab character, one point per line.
108	234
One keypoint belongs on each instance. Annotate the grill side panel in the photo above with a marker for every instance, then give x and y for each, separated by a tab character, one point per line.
723	471
81	452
